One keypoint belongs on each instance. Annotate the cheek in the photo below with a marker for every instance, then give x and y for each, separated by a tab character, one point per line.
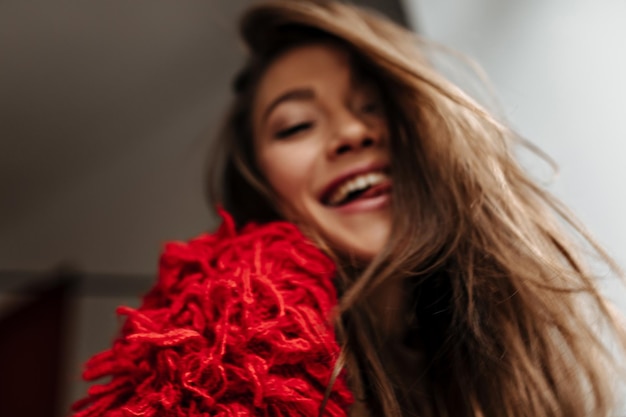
290	170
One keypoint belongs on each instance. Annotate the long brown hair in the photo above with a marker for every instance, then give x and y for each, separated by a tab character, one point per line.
500	300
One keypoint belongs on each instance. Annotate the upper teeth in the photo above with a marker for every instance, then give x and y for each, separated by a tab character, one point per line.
360	182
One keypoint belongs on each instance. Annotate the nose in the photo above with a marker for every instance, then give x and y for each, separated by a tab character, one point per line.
352	134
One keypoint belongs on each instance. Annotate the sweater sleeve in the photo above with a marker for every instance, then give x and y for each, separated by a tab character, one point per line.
236	325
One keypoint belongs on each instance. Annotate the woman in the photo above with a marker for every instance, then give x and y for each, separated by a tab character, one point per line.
459	294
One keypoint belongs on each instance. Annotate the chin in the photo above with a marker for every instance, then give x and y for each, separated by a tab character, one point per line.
363	245
355	236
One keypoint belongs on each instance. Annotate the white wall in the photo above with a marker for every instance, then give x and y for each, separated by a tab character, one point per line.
559	68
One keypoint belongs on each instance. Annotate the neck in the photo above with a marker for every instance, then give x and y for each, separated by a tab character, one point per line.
388	308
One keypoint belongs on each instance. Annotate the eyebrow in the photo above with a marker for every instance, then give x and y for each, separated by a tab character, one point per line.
297	94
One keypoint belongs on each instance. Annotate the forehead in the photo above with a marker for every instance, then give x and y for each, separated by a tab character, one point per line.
304	65
308	59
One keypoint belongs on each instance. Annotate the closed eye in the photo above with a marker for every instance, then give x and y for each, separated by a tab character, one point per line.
290	131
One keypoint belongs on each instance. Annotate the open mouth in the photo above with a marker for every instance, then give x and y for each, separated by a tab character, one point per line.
362	186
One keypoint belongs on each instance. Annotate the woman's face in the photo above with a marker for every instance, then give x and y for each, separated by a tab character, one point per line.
321	141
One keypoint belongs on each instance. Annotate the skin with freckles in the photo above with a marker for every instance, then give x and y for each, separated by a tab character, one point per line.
316	125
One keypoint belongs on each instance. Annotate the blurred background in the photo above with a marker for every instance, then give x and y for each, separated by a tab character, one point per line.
107	109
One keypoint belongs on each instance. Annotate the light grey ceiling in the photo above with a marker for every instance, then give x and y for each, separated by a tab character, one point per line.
106	110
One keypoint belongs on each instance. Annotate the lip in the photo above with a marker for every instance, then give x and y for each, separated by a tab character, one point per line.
353	172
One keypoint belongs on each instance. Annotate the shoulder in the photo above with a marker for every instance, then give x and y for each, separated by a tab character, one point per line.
237	320
262	260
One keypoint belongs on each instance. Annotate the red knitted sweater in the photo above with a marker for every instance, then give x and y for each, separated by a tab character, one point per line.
236	325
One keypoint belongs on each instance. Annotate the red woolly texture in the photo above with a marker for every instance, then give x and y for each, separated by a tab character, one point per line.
237	325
